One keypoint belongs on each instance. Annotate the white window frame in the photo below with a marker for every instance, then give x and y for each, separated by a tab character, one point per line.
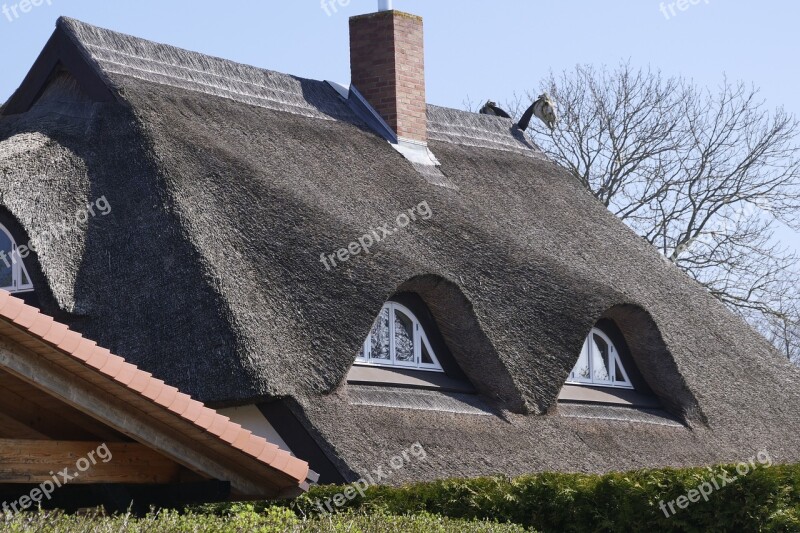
17	267
588	345
420	338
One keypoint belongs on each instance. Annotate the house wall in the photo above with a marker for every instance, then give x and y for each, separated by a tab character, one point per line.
249	417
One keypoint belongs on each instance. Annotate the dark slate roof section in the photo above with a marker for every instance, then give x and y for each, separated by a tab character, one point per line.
118	54
479	131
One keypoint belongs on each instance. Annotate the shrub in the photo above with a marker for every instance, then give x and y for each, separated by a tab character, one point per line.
244	519
766	499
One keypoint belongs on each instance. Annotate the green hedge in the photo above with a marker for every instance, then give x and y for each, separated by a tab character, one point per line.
766	499
243	519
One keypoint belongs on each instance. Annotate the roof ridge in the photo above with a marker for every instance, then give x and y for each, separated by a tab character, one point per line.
116	54
116	57
467	128
65	24
73	25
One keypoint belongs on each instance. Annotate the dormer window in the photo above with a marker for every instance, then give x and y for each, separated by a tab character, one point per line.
13	275
397	339
599	364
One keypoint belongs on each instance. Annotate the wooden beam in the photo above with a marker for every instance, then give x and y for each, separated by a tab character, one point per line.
10	428
46	415
34	461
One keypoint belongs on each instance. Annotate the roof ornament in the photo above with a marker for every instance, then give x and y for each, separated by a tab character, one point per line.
490	108
544	109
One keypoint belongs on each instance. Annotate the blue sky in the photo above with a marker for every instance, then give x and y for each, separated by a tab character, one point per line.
473	48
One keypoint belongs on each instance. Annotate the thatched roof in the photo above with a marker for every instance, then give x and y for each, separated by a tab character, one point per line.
227	183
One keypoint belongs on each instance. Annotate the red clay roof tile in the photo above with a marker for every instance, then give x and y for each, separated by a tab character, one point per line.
255	446
280	461
26	316
98	358
242	440
166	396
269	454
57	334
84	350
231	432
70	343
194	411
153	389
206	418
140	381
41	326
127	373
112	366
218	425
180	404
297	468
12	308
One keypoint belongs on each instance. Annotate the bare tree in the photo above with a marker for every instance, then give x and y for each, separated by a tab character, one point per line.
705	176
783	326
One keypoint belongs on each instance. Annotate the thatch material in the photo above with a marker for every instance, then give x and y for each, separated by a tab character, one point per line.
229	182
116	55
479	131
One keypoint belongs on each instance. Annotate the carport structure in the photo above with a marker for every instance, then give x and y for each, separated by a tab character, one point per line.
79	426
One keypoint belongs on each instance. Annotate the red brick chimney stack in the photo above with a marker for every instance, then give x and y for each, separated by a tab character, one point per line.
388	68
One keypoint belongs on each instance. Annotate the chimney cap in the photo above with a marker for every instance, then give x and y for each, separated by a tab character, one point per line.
385	5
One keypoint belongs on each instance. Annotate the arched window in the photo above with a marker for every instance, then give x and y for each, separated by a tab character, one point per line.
398	339
13	276
599	364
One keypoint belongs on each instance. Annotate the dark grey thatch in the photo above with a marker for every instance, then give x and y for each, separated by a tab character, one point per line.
228	182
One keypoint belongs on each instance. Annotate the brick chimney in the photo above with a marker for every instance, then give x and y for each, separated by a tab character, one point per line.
387	67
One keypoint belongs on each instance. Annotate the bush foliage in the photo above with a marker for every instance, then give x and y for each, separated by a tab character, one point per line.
244	519
766	499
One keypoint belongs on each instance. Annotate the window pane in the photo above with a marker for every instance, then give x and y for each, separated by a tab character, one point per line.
379	337
361	355
620	376
23	275
403	337
426	357
599	363
397	339
581	370
5	260
600	355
